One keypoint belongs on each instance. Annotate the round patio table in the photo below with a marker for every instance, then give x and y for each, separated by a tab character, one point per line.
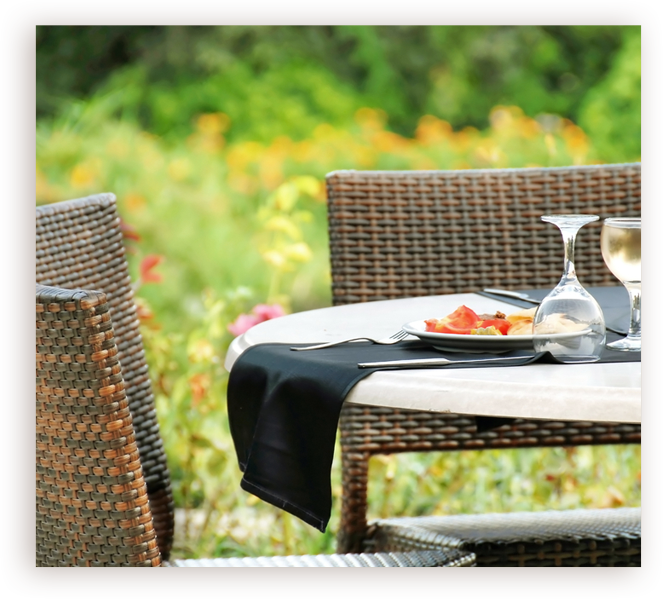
596	392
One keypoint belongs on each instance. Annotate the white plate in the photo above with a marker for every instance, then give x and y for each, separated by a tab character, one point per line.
474	344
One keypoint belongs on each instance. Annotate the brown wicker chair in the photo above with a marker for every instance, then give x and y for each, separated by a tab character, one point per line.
398	234
103	493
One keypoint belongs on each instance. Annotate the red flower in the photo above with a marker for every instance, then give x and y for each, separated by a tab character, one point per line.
146	266
129	232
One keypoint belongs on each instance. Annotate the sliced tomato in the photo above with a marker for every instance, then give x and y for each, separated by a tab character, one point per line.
451	328
460	322
463	317
501	324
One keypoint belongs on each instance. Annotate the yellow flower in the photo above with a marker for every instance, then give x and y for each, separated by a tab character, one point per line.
201	351
365	156
134	201
213	123
307	184
275	258
386	141
241	154
528	127
576	141
179	169
82	176
271	174
284	225
303	151
371	118
300	252
286	197
44	190
432	130
118	148
242	182
424	164
210	144
323	131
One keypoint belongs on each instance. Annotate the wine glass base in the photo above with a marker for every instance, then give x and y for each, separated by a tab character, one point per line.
626	344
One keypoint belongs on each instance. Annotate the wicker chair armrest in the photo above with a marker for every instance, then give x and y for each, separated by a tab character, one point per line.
60	295
89	474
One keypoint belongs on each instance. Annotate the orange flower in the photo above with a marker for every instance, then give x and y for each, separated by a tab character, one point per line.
134	201
146	266
199	384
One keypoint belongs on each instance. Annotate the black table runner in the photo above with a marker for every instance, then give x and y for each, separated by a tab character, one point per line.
284	407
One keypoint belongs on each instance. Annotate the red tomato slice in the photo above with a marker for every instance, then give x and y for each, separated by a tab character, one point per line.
451	328
460	322
463	317
501	324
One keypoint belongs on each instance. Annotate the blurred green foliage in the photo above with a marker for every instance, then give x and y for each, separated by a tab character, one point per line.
286	80
216	141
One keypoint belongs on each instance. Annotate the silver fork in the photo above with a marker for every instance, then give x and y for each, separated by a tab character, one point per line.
395	338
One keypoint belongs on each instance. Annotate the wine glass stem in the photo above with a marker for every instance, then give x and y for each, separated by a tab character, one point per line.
569	237
635	295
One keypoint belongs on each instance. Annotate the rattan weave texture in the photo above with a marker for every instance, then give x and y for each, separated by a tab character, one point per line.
103	489
397	234
413	233
92	498
79	246
91	493
606	537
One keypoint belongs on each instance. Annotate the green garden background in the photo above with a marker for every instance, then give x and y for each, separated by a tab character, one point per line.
216	142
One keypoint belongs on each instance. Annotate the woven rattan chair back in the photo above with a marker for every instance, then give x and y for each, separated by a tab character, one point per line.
398	234
79	246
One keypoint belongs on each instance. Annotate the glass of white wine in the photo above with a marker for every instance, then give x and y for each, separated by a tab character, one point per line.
569	322
620	246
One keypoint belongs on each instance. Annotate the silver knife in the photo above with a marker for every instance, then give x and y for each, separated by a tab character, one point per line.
432	362
514	294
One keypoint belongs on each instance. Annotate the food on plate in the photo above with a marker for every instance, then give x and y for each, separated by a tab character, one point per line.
522	327
464	321
558	323
521	322
491	330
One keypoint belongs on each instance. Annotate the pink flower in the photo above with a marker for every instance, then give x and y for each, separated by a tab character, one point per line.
266	312
259	313
243	323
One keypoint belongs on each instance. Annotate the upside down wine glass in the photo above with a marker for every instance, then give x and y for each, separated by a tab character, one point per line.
569	322
620	246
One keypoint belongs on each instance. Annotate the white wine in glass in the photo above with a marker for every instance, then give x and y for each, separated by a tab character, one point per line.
620	247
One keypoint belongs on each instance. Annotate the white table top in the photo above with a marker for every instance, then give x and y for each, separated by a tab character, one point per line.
576	392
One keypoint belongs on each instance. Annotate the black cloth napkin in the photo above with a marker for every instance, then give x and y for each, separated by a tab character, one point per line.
284	407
